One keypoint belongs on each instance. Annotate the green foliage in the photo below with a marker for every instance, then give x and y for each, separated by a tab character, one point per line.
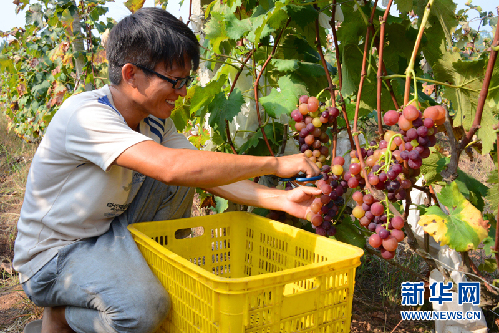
38	62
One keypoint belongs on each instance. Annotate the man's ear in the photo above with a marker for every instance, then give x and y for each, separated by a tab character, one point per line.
128	72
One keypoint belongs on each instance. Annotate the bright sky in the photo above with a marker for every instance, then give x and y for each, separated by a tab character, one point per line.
8	18
117	10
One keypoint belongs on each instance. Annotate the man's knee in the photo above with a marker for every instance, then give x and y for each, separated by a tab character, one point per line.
145	312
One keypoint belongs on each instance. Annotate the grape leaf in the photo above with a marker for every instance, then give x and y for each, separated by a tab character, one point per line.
493	192
216	31
302	15
404	5
284	101
490	265
348	233
251	143
432	167
221	204
285	65
222	108
463	229
202	96
134	5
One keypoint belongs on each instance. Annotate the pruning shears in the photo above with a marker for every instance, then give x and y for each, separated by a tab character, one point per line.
300	178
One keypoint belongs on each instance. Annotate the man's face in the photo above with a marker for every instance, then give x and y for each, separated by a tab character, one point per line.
158	95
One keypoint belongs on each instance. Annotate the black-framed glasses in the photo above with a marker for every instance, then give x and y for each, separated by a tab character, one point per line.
177	83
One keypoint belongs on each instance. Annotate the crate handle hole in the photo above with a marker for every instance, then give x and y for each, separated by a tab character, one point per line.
189	232
301	287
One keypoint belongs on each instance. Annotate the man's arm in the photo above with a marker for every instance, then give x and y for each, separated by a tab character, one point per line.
208	169
295	202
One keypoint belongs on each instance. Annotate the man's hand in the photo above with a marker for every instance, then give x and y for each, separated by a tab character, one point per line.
297	201
291	165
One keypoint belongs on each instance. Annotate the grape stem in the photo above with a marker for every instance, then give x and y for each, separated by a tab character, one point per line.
380	67
370	27
271	55
410	67
387	155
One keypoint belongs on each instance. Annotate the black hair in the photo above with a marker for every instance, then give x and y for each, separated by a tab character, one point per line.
148	37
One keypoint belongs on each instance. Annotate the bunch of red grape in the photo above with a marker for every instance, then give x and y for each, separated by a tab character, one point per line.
325	210
311	124
392	165
371	214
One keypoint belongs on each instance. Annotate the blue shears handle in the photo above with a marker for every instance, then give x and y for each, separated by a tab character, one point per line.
301	179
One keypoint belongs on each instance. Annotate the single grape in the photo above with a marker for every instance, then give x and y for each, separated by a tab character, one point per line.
325	199
334	112
309	139
310	127
364	221
316	219
366	207
387	254
300	125
326	189
390	243
358	212
373	179
338	160
412	134
429	123
422	131
414	155
397	168
417	123
397	222
358	197
400	195
315	207
337	169
410	113
382	177
398	234
426	153
354	169
339	191
377	209
353	182
404	124
383	233
375	241
303	108
303	99
415	164
368	199
321	231
391	117
331	231
317	122
431	112
313	104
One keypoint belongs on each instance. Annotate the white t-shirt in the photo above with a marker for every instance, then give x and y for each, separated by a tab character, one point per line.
73	191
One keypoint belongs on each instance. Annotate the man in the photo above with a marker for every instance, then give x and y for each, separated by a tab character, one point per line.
112	157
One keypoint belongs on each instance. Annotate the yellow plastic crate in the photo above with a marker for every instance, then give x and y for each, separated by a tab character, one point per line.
246	273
